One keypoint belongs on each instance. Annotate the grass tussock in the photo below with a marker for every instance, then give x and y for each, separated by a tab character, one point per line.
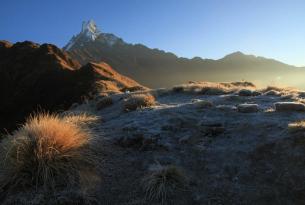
297	129
164	182
210	88
280	91
80	119
104	102
298	126
47	151
135	101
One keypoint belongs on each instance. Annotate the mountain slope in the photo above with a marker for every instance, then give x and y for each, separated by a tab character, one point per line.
34	76
156	68
217	152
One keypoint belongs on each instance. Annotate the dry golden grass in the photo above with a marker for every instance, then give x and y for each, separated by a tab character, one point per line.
47	151
164	182
210	88
80	119
297	129
281	91
298	126
136	101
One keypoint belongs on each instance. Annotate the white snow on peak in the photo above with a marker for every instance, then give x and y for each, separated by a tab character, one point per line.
91	32
90	29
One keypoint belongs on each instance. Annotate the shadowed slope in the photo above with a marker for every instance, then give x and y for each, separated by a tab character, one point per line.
36	76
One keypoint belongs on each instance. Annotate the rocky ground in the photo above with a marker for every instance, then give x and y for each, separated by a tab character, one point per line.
224	146
230	154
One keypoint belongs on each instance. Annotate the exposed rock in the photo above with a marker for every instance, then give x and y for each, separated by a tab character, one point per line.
226	107
247	108
203	104
289	106
245	92
272	93
256	93
236	98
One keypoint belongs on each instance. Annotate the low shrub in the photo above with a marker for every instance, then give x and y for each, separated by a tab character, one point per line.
136	101
47	151
164	182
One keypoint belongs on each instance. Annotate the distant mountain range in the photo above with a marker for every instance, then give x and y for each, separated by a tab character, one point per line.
156	68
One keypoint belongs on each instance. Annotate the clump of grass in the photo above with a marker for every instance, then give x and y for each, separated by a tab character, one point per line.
297	129
243	84
136	101
80	118
133	89
104	102
164	182
210	88
47	151
215	90
280	91
298	126
269	88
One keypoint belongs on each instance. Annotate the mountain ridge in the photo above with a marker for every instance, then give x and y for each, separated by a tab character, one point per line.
157	68
43	77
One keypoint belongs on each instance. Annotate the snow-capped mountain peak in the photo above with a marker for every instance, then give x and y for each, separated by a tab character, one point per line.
91	34
90	29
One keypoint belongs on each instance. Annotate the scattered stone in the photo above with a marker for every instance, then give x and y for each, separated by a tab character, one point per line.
256	93
226	107
245	92
272	93
203	104
289	97
289	106
233	98
213	91
247	108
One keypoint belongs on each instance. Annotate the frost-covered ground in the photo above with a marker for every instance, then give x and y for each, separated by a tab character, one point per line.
229	157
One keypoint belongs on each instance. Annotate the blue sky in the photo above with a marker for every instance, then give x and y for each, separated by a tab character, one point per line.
188	28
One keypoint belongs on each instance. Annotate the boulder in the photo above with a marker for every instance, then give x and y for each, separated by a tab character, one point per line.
289	106
245	92
226	107
203	104
256	93
272	93
247	108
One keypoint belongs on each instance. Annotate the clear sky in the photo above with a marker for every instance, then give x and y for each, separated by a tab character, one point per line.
188	28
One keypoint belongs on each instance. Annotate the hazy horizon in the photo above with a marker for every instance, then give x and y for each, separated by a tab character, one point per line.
207	29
